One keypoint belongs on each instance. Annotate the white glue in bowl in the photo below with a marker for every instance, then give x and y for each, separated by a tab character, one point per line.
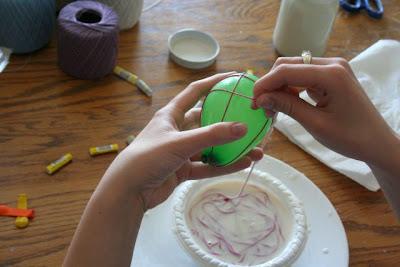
193	49
223	237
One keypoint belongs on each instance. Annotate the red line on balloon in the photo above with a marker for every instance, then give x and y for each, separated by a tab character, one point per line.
233	92
230	92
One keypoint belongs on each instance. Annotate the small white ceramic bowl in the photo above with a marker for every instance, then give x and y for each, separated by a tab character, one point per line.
193	49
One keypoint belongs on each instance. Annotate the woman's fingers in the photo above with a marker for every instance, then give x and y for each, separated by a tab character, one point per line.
283	64
315	61
289	104
255	155
319	98
193	141
199	170
317	77
192	118
188	97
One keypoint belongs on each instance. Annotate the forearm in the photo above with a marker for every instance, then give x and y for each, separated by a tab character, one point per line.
108	228
386	169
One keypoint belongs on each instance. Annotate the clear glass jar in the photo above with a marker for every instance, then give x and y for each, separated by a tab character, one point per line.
304	25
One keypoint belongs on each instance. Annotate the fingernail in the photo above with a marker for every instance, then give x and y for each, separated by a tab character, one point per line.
254	104
239	129
265	102
269	113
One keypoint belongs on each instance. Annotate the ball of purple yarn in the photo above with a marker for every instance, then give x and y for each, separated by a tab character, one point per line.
87	39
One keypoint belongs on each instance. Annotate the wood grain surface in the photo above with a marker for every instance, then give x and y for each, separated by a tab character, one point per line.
45	114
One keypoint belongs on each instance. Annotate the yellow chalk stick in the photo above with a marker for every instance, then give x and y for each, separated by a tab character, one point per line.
125	75
133	79
93	151
22	203
58	164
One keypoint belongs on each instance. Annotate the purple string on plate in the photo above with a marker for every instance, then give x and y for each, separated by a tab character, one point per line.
87	39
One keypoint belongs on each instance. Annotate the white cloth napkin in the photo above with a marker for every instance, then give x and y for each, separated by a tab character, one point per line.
378	70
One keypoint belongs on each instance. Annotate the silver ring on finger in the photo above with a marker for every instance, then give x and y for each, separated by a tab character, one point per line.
306	56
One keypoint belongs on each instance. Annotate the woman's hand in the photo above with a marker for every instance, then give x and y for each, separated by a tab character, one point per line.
145	173
165	153
343	119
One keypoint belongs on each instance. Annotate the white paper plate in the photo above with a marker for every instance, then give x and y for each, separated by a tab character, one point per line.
157	244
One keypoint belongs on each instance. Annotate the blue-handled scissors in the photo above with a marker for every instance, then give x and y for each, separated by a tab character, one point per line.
357	5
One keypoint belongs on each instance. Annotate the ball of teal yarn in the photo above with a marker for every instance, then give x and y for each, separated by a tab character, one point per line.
26	25
62	3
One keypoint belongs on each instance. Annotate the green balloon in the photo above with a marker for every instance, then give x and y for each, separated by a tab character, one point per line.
230	101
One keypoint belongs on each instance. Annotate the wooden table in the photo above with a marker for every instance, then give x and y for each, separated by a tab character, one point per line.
45	114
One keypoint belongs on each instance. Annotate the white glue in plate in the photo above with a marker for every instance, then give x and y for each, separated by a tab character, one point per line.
157	243
193	49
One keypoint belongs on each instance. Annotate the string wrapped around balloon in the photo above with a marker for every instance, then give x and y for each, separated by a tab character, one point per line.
230	101
128	11
87	39
26	26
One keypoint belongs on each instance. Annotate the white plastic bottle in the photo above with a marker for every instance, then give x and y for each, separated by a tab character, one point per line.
304	25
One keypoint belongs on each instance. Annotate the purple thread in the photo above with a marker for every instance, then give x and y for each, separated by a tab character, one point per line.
87	39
